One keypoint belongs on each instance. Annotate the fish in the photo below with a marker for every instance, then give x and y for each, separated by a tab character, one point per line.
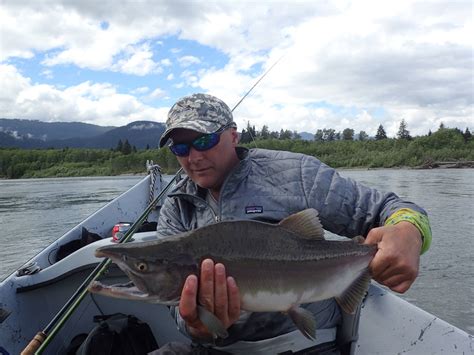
277	267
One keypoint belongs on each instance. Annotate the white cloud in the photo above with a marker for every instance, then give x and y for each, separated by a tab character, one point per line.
188	60
87	102
140	90
353	59
408	59
166	62
47	73
138	61
157	94
190	78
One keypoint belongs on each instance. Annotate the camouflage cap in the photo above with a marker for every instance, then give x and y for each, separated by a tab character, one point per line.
199	112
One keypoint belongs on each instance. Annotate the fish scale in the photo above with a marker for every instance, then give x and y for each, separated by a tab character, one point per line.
276	267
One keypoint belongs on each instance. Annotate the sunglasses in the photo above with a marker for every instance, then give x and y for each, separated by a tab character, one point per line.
201	144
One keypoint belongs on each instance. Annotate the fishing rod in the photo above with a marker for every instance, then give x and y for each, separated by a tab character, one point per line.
42	339
253	86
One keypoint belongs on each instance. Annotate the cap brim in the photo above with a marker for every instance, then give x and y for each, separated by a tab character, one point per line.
185	125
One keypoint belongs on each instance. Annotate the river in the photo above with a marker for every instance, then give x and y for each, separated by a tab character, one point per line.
34	212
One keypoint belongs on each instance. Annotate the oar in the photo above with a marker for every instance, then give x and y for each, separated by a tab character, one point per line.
44	337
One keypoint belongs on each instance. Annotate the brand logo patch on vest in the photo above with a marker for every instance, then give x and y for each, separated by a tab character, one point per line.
253	209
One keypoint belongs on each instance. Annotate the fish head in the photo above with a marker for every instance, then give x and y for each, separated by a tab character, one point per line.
159	278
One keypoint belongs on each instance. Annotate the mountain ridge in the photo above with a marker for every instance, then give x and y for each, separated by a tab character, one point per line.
30	134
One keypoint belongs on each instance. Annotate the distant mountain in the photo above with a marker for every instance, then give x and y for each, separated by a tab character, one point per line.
47	131
36	134
138	133
306	136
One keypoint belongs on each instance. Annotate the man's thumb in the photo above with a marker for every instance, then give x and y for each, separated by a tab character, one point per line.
374	236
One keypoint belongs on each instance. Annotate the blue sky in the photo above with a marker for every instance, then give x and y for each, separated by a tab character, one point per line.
168	48
346	64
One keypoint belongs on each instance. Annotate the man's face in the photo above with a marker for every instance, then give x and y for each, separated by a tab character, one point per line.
209	168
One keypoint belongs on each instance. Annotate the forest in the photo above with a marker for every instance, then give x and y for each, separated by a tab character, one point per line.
339	150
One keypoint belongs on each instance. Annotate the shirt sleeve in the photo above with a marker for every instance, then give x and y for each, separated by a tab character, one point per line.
347	207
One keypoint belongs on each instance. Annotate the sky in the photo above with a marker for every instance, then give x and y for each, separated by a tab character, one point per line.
341	64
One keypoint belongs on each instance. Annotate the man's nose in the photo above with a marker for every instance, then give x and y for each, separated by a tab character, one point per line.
194	155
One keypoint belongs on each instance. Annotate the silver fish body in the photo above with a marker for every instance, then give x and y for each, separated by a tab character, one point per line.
276	266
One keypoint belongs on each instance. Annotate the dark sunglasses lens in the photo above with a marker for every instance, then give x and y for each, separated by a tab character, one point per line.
206	142
181	150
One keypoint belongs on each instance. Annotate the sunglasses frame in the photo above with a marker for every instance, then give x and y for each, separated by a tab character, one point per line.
214	140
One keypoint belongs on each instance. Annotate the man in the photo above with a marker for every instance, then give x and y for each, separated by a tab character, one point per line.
227	182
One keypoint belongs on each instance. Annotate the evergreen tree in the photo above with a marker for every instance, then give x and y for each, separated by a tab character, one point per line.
363	136
285	134
265	133
319	135
329	134
134	149
380	133
274	135
296	135
245	137
127	148
441	126
251	130
119	147
147	147
348	134
467	135
429	133
403	133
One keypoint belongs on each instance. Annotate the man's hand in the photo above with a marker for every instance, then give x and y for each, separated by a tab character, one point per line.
397	260
215	292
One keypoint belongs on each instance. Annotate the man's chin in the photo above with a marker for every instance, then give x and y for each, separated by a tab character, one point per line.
204	182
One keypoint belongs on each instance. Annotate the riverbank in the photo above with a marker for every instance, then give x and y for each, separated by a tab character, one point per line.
448	165
444	149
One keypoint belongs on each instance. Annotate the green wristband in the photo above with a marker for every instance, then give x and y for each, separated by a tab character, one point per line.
418	219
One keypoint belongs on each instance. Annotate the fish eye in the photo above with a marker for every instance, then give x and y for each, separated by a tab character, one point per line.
142	266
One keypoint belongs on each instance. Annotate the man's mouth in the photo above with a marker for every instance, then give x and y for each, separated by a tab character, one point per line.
201	170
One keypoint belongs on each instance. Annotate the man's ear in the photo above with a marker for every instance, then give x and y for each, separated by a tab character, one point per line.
235	136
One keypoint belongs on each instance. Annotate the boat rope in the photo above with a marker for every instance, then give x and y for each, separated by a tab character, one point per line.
44	337
154	170
41	340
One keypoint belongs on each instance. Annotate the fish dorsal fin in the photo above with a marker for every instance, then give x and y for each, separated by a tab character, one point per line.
305	224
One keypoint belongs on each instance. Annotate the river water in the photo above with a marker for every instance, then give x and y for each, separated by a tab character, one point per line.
34	212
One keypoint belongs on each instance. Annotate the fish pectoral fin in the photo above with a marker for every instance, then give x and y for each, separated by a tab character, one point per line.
304	321
212	323
305	224
350	299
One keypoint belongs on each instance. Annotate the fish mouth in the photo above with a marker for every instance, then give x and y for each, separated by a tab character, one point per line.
127	291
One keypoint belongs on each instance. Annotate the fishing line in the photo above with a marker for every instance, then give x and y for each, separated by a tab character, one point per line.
96	304
254	85
249	91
